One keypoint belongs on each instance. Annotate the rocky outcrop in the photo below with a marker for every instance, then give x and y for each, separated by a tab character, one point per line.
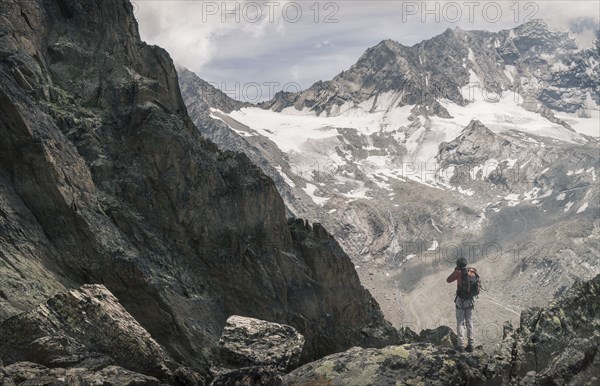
249	376
419	363
32	374
441	336
253	342
81	327
106	180
559	344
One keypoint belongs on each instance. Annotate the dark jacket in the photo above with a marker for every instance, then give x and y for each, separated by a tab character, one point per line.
456	275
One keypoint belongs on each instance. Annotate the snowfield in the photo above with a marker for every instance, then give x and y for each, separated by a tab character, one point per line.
296	132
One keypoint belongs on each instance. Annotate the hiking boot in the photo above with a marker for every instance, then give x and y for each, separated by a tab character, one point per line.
469	348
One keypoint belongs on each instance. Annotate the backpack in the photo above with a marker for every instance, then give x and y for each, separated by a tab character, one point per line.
470	284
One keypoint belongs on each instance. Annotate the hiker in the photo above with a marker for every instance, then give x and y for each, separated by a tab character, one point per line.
467	287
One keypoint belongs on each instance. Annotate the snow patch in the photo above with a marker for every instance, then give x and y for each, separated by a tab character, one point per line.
434	246
284	176
502	113
310	190
359	193
466	192
568	206
582	208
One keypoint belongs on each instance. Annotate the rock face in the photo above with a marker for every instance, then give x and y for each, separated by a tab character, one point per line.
441	336
106	180
560	344
81	326
253	342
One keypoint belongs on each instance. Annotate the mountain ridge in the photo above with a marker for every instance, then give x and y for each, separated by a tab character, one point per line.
421	76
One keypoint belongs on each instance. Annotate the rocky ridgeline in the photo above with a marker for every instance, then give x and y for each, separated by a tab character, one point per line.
523	59
200	96
105	179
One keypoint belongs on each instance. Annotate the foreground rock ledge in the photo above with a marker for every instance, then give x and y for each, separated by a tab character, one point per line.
419	363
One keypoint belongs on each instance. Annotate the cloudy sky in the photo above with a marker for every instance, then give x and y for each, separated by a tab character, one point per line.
289	44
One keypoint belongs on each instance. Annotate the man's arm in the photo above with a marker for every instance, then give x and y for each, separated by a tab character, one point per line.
453	276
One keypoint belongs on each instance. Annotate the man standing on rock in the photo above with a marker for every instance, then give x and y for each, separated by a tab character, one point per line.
464	306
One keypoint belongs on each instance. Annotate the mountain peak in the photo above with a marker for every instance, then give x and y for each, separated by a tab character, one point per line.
534	24
476	127
535	28
453	31
388	44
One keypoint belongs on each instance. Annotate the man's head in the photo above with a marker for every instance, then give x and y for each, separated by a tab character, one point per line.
461	263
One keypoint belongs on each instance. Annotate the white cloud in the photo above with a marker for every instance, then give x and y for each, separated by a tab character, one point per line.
276	48
295	71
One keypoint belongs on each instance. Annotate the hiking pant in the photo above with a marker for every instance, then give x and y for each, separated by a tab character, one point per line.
464	318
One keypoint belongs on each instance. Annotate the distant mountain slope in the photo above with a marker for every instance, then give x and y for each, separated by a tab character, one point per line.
532	60
486	141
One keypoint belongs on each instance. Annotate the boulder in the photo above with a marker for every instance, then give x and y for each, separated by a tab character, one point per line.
86	327
249	376
406	335
253	342
440	336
